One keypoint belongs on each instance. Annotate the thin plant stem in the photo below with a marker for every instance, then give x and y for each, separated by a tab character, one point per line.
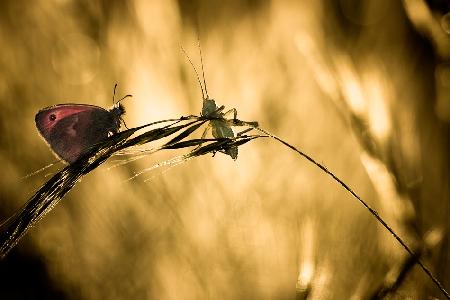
370	209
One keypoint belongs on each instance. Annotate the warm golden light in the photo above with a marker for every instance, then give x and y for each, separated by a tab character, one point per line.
361	86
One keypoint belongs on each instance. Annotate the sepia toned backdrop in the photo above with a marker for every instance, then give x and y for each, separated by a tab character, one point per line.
363	87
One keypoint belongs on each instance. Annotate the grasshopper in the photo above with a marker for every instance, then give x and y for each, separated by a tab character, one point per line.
219	124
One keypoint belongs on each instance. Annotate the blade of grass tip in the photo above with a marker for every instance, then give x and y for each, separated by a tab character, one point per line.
41	169
186	144
176	159
370	209
186	132
183	159
49	174
138	154
130	151
122	162
185	118
241	140
152	134
132	159
142	154
155	134
218	145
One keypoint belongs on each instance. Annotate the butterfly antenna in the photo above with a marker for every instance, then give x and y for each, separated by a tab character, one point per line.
114	93
203	70
195	70
126	96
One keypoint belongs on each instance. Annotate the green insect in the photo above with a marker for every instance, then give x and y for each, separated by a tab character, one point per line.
219	125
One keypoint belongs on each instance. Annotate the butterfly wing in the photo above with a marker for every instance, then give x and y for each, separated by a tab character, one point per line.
70	129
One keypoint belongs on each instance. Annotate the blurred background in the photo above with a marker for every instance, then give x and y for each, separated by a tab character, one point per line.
362	86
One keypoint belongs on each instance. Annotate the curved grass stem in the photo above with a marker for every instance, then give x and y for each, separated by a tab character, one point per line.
370	209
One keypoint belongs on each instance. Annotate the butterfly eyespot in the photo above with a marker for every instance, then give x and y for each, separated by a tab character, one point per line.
52	117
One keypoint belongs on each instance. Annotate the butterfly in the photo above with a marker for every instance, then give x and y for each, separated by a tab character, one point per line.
71	129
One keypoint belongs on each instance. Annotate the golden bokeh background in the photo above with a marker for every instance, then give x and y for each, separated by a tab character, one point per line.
362	86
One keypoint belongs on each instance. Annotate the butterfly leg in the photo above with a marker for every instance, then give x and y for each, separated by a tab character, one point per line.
124	124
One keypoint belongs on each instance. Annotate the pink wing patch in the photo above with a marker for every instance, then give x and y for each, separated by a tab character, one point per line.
69	129
48	117
72	129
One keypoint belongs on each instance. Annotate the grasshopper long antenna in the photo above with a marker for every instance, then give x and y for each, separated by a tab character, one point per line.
195	70
203	71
